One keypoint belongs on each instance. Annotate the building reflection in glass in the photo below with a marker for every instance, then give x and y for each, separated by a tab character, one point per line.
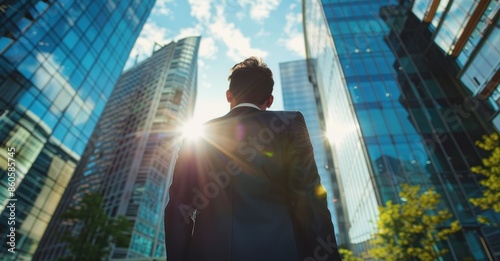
412	120
59	61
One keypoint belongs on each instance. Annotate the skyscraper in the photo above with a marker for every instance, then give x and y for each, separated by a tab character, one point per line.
299	95
136	141
393	83
59	62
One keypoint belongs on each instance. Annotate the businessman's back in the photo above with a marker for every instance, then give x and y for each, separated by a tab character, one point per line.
249	190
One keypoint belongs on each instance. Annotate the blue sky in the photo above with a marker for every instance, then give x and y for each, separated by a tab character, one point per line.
231	31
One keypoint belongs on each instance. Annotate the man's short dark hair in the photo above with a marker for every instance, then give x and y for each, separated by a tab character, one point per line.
251	81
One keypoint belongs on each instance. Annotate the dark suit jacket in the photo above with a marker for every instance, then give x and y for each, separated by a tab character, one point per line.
249	190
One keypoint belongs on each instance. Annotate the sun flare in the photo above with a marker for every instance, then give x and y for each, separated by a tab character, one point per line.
192	129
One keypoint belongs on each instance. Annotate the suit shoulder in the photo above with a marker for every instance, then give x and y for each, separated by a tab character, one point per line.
214	122
288	115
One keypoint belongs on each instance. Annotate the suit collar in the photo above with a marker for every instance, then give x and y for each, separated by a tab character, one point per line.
242	110
247	104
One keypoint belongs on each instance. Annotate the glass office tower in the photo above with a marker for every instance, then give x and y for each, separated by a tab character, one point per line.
398	110
59	62
299	95
136	143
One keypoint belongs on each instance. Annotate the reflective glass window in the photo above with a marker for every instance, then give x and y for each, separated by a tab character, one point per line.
98	44
91	33
63	99
378	122
41	6
80	50
79	147
420	8
77	78
52	15
36	31
74	11
52	89
69	139
382	65
28	66
58	55
120	48
26	99
367	91
61	27
15	53
60	131
405	118
365	123
83	23
70	39
38	108
84	90
371	66
4	42
393	121
94	8
102	18
41	78
50	120
68	67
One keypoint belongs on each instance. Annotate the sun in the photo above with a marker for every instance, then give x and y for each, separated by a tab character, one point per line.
192	129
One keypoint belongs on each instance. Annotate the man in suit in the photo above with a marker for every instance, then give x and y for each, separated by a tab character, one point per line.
249	189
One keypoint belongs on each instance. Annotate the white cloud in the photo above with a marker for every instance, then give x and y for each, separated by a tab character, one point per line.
208	49
295	43
293	39
202	69
262	33
238	45
190	31
292	21
200	9
161	8
240	15
260	9
143	47
216	29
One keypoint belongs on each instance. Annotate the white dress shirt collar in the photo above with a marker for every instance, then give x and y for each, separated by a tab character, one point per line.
246	104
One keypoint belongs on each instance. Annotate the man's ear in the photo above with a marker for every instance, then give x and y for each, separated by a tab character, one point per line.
269	101
229	96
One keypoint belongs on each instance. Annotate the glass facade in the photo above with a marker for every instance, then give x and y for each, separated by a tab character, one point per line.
412	121
133	155
299	95
59	62
351	166
468	32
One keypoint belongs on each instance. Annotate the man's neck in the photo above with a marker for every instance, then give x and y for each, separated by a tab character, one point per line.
247	104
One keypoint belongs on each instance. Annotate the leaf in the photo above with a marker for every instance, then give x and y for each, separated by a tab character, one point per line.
92	230
409	230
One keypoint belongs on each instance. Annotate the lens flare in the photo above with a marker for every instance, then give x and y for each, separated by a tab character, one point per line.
192	129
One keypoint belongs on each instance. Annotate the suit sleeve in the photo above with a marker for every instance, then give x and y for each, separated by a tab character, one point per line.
178	212
312	220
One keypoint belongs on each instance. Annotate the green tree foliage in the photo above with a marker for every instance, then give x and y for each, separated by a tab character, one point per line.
347	255
412	229
98	230
491	171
